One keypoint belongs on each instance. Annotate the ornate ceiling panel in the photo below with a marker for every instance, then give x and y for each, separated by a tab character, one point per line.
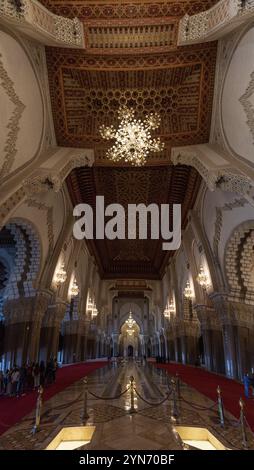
133	258
105	9
110	27
86	92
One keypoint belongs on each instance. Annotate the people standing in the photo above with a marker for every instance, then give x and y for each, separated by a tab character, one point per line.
246	382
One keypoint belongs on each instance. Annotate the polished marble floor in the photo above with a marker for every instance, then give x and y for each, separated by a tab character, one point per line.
151	427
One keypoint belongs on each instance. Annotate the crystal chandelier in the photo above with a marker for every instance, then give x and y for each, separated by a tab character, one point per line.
61	275
130	332
203	279
89	305
170	308
130	322
94	311
133	139
188	294
74	288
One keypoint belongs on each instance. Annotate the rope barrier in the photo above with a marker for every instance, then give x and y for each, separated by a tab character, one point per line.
109	398
152	404
198	407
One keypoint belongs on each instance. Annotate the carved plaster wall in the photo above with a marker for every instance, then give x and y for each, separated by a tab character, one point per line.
26	124
233	111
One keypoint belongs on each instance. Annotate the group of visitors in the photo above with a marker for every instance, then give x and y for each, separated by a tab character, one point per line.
17	381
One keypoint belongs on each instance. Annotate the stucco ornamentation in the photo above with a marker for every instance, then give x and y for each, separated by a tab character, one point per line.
13	126
248	107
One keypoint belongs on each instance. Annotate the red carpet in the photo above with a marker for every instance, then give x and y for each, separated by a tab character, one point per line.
206	383
12	410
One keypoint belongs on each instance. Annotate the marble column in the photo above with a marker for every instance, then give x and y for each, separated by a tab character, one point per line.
212	335
74	330
23	318
50	330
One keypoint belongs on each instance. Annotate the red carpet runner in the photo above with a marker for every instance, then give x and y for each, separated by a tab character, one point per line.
206	383
12	410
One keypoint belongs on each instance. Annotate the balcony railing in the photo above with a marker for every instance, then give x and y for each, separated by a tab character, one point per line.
34	19
209	25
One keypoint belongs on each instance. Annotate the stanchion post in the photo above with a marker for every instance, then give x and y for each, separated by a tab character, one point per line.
85	415
242	423
175	412
38	410
220	407
178	386
132	384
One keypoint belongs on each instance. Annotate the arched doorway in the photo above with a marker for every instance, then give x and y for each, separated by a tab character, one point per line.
129	339
130	351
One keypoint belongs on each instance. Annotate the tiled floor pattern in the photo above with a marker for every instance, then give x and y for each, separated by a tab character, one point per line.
150	428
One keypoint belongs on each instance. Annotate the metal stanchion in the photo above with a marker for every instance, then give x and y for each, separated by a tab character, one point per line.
220	407
242	423
132	385
178	386
38	410
85	415
175	412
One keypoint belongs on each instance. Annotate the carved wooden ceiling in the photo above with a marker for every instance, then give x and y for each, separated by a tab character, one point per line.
131	57
160	185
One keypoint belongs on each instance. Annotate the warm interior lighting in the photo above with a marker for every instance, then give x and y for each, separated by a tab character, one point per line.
71	445
71	438
94	312
61	275
130	322
133	139
203	279
130	332
74	288
91	307
199	438
170	308
188	294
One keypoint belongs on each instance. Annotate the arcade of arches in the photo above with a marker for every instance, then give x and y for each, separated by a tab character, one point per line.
65	67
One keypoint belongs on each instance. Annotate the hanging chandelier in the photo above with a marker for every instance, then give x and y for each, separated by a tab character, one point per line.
170	309
61	275
130	322
188	294
94	311
133	138
203	279
74	288
130	332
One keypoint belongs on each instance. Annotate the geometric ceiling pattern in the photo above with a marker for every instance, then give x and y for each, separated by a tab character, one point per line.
114	9
161	185
86	92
